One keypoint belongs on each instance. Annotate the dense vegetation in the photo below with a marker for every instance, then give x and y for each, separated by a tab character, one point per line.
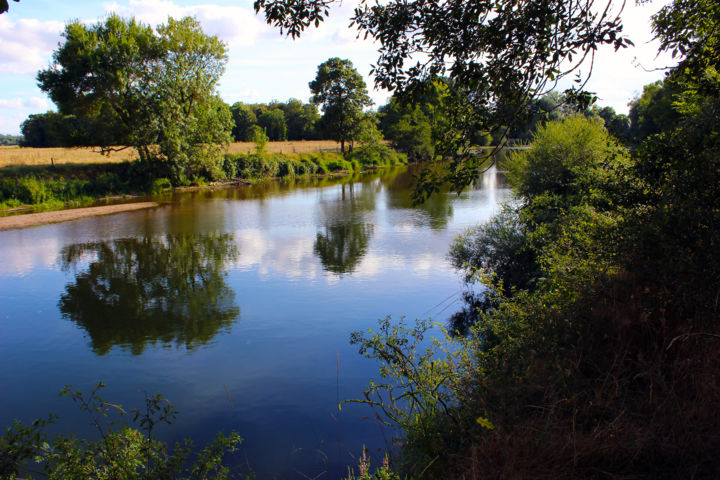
120	84
592	350
592	346
150	89
9	140
52	187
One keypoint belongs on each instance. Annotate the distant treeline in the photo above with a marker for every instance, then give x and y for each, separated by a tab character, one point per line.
291	120
411	127
9	140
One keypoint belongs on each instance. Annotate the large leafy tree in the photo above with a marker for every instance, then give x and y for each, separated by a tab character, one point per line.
652	112
273	121
342	92
154	90
498	54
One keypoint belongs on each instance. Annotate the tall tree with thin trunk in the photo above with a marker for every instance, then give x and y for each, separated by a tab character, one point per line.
342	93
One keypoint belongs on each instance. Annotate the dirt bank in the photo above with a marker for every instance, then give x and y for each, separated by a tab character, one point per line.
31	219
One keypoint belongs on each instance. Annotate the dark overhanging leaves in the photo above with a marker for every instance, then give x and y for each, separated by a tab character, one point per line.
4	6
499	55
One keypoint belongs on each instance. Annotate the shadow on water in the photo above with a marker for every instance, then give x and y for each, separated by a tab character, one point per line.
137	292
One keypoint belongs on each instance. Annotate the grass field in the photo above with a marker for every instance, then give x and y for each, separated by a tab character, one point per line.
14	156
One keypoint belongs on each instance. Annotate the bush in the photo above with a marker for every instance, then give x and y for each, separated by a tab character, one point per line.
607	359
122	451
159	185
376	155
107	183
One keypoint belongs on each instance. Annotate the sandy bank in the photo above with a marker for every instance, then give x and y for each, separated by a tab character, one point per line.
42	218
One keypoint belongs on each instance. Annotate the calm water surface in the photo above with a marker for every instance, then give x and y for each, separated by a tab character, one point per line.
234	304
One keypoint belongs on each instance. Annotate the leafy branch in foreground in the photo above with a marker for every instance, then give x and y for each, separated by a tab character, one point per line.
122	452
421	387
496	56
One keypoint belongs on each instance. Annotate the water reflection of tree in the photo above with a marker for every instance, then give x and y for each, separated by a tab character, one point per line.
345	237
343	245
140	291
433	212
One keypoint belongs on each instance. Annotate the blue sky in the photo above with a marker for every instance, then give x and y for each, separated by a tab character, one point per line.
262	66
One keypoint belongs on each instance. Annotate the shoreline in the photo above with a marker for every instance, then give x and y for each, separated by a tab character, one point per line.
57	216
24	220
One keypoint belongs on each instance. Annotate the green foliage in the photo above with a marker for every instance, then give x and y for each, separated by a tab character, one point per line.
491	53
159	185
19	443
499	247
261	140
48	187
568	159
292	120
365	472
617	125
244	119
154	90
273	123
9	140
301	120
41	130
376	155
342	93
652	112
409	129
590	280
256	166
121	452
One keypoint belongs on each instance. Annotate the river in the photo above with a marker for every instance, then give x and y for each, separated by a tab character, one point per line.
235	304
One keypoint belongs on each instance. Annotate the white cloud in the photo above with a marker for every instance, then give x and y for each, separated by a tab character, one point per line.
27	44
36	103
619	75
14	111
238	26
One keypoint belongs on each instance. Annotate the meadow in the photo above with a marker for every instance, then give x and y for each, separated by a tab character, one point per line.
17	156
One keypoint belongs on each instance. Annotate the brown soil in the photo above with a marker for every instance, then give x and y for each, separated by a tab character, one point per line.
43	218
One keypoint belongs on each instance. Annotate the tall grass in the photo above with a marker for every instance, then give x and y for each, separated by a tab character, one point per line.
253	166
52	187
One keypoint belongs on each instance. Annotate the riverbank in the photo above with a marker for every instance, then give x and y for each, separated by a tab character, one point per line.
48	187
57	216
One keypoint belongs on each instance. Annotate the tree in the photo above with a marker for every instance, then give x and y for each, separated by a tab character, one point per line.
39	130
410	132
618	125
301	120
503	53
342	92
652	112
154	90
244	119
273	122
9	139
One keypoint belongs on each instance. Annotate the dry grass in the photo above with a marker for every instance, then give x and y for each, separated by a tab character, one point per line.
12	156
288	147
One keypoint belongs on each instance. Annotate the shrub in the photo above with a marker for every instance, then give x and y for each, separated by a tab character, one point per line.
121	452
376	155
160	184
